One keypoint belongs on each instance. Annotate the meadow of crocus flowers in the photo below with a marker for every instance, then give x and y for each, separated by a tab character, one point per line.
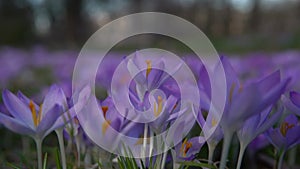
41	124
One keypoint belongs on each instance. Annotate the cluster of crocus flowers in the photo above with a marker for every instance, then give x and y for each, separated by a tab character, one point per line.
254	107
27	118
243	103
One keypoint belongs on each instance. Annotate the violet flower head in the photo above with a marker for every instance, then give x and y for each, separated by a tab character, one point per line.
248	100
287	135
36	121
243	102
188	149
292	103
258	124
260	142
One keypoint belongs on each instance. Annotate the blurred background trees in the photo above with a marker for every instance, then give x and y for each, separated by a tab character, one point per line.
232	25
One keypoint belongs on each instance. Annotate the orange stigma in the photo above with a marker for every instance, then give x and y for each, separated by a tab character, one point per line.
105	126
185	147
285	127
36	117
104	110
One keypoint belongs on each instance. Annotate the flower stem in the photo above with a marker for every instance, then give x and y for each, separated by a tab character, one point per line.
280	160
38	143
145	143
164	157
77	142
292	156
151	143
60	138
226	145
241	155
211	150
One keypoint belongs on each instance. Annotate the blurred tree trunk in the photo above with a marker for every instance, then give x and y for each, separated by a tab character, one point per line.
298	14
227	17
17	23
255	17
210	16
74	27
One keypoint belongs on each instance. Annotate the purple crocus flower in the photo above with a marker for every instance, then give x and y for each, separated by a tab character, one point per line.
245	101
38	121
242	103
149	73
30	119
188	149
295	102
104	123
254	126
258	143
286	136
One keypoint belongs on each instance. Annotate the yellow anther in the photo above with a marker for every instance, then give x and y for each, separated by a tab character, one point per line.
158	109
285	127
149	67
105	126
39	114
231	92
214	122
33	113
185	147
182	145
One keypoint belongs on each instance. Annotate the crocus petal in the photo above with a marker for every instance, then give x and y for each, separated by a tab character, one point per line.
268	83
25	99
54	96
291	119
63	119
276	138
100	131
163	118
17	108
49	119
15	125
273	95
204	81
231	76
258	143
248	132
155	76
83	96
134	70
197	142
293	137
196	145
290	105
200	119
241	108
295	98
269	122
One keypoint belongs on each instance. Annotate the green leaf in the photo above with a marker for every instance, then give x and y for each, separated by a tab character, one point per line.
57	159
12	166
45	161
